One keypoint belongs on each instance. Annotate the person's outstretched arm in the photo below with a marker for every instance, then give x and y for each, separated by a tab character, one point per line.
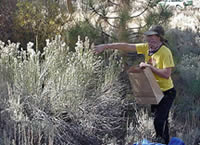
127	47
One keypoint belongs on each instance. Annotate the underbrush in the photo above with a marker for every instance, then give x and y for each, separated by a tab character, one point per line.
59	96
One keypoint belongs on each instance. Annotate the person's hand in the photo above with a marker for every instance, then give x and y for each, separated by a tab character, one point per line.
99	48
131	69
143	65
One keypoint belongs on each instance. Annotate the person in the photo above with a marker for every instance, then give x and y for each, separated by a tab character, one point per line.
159	59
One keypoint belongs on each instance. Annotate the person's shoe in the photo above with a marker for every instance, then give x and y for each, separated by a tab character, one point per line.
159	140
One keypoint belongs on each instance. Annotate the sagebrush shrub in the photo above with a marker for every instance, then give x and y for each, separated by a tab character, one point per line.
55	82
189	68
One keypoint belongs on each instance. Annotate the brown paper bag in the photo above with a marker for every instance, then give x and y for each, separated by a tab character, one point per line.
145	87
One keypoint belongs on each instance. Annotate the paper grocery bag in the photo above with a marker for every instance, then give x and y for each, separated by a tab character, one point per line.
144	86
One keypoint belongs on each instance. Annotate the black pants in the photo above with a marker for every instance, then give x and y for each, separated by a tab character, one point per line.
162	113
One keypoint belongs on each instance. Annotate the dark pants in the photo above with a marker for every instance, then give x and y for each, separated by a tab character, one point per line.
161	114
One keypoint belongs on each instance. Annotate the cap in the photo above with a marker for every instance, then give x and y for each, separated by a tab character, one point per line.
155	30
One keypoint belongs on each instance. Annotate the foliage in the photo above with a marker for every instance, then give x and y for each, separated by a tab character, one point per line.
122	20
187	102
189	70
121	31
37	21
82	29
7	10
160	16
60	94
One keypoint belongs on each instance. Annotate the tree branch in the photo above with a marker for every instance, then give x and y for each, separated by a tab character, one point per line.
143	10
101	15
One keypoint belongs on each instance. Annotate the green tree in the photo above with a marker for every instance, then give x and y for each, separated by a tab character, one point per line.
124	20
121	21
160	16
82	29
7	9
37	21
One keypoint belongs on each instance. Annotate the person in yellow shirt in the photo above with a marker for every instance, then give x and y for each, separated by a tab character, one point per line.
159	59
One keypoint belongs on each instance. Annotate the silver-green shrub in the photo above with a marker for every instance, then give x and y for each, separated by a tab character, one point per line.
189	68
45	89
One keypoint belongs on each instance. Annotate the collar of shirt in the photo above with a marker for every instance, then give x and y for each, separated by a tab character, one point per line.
152	51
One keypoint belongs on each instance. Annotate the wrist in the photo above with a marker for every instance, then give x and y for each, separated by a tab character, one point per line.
150	66
107	46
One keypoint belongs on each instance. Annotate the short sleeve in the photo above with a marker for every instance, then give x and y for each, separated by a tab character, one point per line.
168	60
141	48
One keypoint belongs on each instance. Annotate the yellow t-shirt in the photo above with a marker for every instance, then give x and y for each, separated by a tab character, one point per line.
160	59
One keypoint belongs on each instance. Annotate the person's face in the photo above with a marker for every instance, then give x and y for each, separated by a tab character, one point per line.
152	38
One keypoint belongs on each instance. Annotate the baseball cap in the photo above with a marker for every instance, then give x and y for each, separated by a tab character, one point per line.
155	30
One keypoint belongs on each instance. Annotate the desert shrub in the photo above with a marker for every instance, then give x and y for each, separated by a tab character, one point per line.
62	96
187	103
192	136
189	68
181	42
143	127
66	73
